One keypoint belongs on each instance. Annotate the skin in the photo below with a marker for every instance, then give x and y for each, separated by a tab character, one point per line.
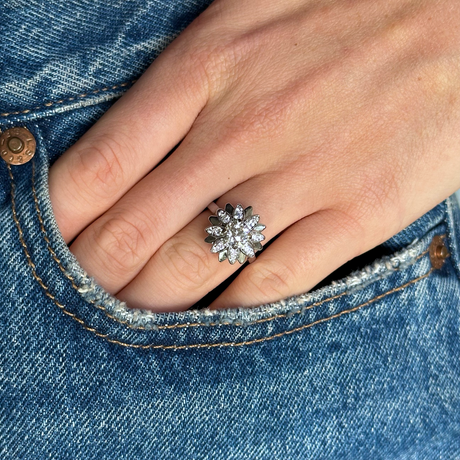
338	121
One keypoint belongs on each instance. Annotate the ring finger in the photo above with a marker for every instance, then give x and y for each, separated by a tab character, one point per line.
184	269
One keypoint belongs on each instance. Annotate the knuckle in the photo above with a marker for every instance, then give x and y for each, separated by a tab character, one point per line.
263	119
97	169
206	64
216	62
226	55
372	206
188	262
258	119
122	244
271	279
378	193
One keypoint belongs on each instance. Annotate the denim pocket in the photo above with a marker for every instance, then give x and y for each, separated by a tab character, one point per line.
64	285
327	374
367	366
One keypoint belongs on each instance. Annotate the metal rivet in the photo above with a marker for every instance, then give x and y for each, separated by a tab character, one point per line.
441	252
438	252
13	142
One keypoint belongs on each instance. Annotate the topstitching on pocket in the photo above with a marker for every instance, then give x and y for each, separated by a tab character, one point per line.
267	322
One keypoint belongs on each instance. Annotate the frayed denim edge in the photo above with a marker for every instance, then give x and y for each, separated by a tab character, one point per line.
93	293
453	230
145	319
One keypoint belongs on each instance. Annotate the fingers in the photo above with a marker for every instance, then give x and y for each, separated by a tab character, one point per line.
179	274
116	246
127	142
184	269
300	258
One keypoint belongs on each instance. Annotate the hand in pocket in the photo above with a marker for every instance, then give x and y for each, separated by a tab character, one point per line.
338	122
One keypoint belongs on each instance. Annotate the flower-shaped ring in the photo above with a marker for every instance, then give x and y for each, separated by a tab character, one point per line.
235	233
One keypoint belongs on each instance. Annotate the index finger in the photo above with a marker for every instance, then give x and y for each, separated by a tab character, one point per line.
133	136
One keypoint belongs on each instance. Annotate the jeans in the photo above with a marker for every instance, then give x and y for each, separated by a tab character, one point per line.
365	366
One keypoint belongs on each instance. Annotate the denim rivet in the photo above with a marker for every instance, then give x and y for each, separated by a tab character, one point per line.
438	251
17	145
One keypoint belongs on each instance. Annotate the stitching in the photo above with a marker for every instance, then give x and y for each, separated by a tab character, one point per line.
451	230
69	99
169	326
196	345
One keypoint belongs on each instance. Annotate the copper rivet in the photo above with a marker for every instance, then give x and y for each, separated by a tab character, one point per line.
441	251
438	252
13	142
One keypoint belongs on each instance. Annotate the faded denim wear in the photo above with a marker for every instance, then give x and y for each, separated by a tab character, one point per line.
365	366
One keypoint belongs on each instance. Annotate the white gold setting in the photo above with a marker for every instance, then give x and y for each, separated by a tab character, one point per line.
235	233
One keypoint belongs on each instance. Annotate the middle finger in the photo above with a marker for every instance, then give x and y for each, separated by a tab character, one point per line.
117	245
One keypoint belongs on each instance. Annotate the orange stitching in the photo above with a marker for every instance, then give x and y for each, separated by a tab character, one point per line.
78	96
169	326
196	345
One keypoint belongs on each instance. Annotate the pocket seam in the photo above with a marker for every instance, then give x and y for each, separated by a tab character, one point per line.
167	326
195	345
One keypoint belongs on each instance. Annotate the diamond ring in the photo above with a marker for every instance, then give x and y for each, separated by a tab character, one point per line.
235	233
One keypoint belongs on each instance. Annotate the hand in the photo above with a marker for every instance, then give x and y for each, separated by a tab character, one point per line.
339	122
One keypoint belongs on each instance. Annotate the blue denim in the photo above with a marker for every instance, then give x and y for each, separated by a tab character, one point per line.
365	366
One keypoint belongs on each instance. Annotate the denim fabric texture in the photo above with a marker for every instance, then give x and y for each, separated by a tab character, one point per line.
366	366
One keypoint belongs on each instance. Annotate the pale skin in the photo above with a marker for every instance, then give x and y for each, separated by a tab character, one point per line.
338	121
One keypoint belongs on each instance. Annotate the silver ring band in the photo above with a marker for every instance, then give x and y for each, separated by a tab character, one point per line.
213	207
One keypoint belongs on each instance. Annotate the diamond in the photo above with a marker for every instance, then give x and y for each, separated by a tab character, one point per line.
246	248
235	233
214	231
223	216
238	212
219	245
252	222
256	237
232	254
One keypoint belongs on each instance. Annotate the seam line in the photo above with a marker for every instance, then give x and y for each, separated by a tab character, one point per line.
196	345
169	326
70	99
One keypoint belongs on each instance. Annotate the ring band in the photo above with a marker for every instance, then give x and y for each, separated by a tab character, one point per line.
213	207
235	233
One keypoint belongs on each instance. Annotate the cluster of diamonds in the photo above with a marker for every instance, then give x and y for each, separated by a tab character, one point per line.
235	233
